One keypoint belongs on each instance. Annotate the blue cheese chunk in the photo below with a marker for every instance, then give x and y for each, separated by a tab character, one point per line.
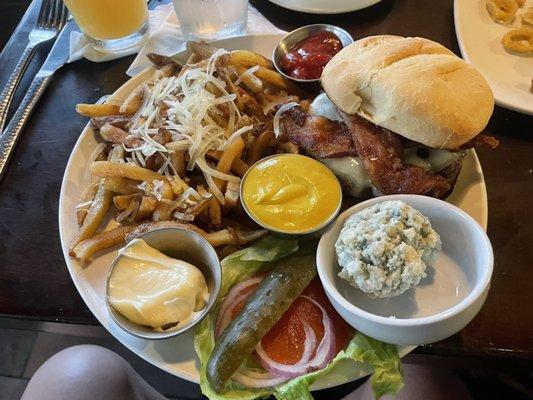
385	249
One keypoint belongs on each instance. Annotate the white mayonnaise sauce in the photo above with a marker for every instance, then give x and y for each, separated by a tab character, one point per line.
151	289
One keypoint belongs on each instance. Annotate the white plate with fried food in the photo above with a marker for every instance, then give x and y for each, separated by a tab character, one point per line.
78	193
325	6
494	36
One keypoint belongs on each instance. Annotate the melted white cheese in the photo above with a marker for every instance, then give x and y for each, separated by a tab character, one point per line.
151	289
350	170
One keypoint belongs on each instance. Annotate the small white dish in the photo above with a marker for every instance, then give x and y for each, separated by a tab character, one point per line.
442	304
325	6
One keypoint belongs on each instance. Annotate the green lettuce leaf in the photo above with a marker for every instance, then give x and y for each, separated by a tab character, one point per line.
381	357
235	268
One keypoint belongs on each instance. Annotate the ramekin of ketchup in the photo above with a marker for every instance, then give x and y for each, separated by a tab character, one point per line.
307	58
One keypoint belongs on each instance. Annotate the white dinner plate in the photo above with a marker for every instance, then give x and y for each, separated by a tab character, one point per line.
325	6
176	355
479	37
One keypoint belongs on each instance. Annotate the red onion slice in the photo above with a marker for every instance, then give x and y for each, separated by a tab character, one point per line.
324	352
309	344
256	379
232	298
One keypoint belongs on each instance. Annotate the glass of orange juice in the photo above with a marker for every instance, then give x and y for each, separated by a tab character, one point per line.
111	24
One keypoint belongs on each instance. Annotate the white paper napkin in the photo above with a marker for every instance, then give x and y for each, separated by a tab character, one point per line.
165	38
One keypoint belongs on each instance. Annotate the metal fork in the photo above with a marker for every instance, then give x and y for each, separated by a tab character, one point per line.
51	19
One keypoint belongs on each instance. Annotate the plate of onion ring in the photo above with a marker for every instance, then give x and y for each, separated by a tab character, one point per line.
496	36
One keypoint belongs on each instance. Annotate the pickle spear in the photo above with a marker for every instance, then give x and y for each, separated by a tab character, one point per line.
263	309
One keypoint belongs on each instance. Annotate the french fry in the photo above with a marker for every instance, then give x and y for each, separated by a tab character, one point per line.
256	151
248	59
234	236
121	185
231	196
177	158
219	238
178	185
233	89
116	154
85	249
97	110
113	134
106	169
238	167
276	79
215	214
101	203
120	170
251	105
289	147
147	206
162	212
86	196
233	151
123	201
200	207
201	49
150	226
168	64
134	100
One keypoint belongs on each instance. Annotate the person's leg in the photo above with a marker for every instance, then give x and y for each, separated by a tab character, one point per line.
88	372
421	383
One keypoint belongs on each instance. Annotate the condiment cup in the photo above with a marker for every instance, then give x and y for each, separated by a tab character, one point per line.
442	304
309	233
290	39
181	244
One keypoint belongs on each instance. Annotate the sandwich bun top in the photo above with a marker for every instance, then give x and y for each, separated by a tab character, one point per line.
414	87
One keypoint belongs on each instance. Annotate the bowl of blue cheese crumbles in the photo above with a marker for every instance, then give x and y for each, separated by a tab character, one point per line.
386	249
405	269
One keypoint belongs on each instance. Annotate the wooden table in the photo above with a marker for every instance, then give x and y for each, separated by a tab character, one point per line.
34	281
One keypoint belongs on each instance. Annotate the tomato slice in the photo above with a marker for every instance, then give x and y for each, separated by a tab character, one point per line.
284	343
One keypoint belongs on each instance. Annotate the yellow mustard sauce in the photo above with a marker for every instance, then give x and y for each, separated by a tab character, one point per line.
291	193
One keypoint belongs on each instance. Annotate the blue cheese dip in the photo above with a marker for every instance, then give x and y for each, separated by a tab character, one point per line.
385	249
151	289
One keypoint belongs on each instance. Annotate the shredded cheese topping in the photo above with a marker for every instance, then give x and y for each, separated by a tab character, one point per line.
199	113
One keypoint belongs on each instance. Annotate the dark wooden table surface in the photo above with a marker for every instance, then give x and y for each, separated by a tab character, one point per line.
34	282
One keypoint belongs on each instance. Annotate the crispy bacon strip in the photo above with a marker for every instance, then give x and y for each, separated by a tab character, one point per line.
380	151
481	141
318	135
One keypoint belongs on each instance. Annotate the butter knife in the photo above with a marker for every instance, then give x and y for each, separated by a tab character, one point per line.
57	57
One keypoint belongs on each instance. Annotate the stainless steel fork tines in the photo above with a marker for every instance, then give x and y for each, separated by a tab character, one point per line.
52	17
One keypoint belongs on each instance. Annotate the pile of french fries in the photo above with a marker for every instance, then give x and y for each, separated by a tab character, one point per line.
141	196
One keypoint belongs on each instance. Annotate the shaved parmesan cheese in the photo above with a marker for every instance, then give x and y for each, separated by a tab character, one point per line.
249	71
238	133
153	188
84	206
278	114
188	106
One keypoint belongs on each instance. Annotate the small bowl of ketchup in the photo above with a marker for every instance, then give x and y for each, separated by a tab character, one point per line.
303	53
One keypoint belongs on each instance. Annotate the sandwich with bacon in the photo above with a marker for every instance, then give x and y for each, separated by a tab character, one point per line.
396	116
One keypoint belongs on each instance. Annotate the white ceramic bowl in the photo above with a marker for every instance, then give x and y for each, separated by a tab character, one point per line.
443	302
